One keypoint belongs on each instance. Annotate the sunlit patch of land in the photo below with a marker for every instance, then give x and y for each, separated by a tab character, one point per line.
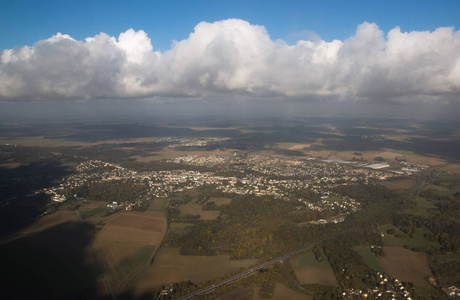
10	165
426	160
169	152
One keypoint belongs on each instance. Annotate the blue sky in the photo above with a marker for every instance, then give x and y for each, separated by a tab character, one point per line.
24	22
382	53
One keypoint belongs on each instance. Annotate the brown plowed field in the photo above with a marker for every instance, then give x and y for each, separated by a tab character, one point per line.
399	184
406	265
126	243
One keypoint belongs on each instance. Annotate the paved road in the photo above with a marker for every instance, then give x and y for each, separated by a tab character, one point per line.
247	273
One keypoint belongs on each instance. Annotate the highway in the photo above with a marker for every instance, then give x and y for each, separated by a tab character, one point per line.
247	273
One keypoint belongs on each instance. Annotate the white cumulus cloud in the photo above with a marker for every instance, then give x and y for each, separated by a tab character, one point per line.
235	57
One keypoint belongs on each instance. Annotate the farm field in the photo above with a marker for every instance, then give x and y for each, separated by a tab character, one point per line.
309	271
60	253
388	154
369	258
220	201
404	184
127	242
423	207
92	208
425	160
171	267
282	292
158	204
242	293
406	265
11	165
417	241
454	168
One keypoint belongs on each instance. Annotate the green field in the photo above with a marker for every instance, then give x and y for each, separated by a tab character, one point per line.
418	241
310	271
369	258
93	212
158	204
309	260
423	208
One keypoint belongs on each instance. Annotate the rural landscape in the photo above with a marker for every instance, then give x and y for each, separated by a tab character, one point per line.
336	209
230	150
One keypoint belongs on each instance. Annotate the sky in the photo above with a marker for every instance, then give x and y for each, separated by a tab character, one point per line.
321	53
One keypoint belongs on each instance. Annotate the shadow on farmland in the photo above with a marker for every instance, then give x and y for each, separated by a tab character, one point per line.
51	264
145	296
19	206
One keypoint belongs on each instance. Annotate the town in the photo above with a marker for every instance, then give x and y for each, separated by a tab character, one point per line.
257	175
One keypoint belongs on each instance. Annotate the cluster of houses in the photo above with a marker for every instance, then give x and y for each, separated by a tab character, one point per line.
388	289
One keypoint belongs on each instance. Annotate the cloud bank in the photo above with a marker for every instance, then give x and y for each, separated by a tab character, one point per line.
235	58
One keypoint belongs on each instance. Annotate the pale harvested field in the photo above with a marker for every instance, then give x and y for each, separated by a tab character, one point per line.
425	160
399	184
299	147
220	201
292	146
406	265
454	168
194	210
170	267
12	165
